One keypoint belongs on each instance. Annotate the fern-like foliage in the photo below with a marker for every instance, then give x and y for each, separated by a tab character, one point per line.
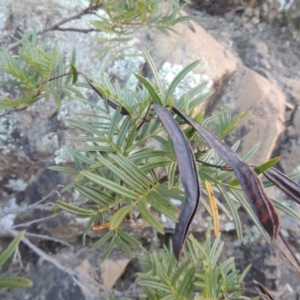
199	276
126	166
38	72
126	16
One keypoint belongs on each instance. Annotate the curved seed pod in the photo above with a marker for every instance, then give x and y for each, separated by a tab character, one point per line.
288	186
188	175
249	182
288	253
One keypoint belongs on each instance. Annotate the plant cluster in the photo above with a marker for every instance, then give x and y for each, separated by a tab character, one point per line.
126	164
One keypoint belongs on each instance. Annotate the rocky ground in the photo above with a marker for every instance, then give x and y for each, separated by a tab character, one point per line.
251	65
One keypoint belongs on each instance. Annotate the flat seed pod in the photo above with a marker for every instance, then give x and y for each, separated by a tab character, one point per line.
188	175
249	182
288	186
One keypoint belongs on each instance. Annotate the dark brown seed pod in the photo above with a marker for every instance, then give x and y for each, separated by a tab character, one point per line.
188	175
288	186
249	182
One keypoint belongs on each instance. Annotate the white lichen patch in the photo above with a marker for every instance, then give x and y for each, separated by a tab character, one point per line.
285	5
229	226
176	202
125	67
7	125
17	185
251	234
8	220
62	156
167	223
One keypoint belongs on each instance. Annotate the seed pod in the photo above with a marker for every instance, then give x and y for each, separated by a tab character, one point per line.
288	186
188	175
249	182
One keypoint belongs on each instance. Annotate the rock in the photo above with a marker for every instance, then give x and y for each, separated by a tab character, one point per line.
249	91
111	270
85	270
188	46
290	141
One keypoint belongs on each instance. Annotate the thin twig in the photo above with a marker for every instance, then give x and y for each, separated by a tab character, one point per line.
223	168
76	29
54	262
48	238
144	120
12	110
32	222
89	10
23	209
73	274
32	206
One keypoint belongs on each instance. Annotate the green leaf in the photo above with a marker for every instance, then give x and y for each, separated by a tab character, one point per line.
289	211
180	272
89	224
114	122
187	280
155	285
4	256
147	153
267	165
133	170
119	216
173	193
216	251
171	174
154	71
128	238
72	208
80	156
251	214
124	247
64	169
131	180
234	213
75	74
250	153
147	84
124	130
105	238
130	139
97	149
177	79
57	99
109	248
162	205
148	216
198	100
110	185
93	195
15	282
